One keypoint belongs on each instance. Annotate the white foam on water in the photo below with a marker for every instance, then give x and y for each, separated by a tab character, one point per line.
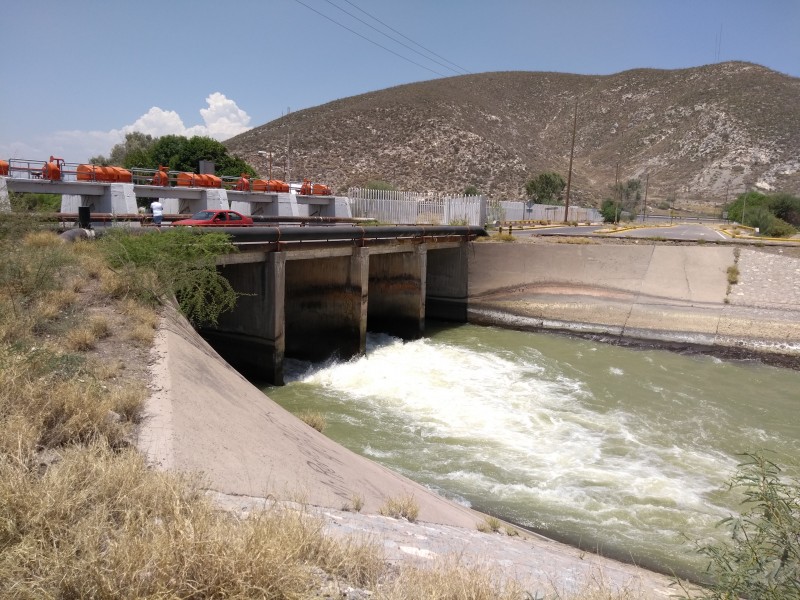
539	438
516	414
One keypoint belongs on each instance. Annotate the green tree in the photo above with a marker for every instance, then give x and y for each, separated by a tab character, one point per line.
610	210
184	154
133	152
744	206
471	190
176	152
787	208
545	187
628	194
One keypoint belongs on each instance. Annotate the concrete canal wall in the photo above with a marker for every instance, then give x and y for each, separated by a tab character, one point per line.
661	294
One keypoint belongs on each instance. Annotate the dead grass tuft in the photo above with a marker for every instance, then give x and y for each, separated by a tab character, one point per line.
355	504
313	419
41	239
405	507
489	525
80	339
100	326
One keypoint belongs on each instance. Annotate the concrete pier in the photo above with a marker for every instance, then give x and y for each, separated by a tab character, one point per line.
326	308
397	292
252	335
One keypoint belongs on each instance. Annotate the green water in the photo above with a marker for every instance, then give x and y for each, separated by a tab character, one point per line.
618	450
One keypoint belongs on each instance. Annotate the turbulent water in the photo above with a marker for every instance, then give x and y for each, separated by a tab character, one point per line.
618	450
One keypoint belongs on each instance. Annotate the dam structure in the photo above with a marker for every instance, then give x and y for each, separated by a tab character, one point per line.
315	298
312	292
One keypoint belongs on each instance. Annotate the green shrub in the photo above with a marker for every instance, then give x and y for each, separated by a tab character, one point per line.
184	261
34	202
762	559
779	228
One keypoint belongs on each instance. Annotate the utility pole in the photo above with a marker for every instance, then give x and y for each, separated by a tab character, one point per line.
269	159
618	183
744	207
571	154
646	185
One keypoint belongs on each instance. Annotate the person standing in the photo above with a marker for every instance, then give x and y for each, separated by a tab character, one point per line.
158	212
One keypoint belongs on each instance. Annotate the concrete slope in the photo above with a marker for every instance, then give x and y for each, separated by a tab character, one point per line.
205	417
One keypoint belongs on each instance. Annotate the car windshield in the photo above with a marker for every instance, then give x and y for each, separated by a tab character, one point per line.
203	215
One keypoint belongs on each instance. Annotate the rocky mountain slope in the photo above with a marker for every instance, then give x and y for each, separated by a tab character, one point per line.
698	135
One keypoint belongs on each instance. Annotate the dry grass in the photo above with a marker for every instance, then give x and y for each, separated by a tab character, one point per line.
450	580
573	240
489	525
124	531
404	507
80	339
142	322
355	504
81	516
733	274
501	237
314	419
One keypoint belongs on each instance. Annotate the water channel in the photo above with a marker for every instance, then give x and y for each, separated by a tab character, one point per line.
618	450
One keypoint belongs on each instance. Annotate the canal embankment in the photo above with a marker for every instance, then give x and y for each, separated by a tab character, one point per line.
730	301
204	417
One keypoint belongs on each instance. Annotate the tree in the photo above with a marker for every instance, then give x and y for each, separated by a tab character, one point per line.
176	152
180	153
610	210
628	194
471	190
786	207
133	152
545	187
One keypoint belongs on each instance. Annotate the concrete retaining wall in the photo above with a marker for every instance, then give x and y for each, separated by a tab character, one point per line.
650	293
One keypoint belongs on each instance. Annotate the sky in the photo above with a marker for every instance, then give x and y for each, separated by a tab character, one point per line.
78	74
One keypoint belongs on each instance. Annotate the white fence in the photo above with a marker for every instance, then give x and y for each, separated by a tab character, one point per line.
507	210
412	208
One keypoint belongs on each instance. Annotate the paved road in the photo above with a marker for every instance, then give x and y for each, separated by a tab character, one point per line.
582	230
682	231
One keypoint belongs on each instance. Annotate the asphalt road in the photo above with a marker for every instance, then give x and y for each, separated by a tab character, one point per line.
680	232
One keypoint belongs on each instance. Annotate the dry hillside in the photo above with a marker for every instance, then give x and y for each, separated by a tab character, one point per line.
699	134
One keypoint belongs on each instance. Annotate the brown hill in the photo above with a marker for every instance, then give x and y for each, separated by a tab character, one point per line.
699	134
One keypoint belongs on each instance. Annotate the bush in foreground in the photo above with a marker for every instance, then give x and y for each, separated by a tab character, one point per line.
762	559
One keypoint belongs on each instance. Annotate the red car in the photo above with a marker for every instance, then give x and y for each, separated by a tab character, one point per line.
216	218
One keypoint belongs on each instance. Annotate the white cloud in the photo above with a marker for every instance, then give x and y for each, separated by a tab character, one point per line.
222	119
156	122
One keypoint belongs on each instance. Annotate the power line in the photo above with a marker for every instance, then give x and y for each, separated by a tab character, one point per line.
390	37
406	37
370	41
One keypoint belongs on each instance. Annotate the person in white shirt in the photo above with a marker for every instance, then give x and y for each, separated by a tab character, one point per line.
158	212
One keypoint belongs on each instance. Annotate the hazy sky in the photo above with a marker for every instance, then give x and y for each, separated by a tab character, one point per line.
77	74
